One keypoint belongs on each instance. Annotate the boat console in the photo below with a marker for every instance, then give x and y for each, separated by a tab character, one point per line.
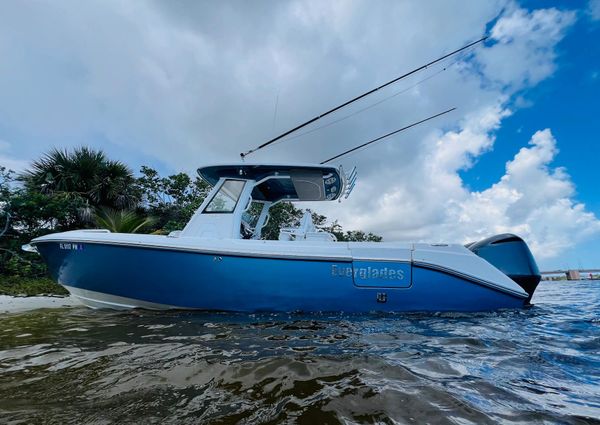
238	206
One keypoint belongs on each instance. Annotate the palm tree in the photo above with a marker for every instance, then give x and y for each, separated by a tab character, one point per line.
123	221
85	173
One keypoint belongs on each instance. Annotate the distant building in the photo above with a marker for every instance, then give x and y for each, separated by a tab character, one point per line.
573	275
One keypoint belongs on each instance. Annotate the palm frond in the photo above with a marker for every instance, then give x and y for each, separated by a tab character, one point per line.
121	221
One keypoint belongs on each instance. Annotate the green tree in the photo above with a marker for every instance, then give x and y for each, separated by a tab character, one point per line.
26	214
351	235
6	179
34	214
83	173
284	214
172	199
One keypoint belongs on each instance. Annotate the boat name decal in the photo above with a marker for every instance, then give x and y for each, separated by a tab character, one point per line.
368	272
71	246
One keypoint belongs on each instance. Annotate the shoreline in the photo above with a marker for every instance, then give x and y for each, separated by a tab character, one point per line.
15	304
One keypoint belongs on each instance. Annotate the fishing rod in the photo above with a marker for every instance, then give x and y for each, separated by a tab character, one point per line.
387	135
267	143
373	105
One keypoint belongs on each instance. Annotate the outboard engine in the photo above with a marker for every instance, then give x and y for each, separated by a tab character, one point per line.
511	255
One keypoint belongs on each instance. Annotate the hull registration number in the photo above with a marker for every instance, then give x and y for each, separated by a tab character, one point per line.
71	246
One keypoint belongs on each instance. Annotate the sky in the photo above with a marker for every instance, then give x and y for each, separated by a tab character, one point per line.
181	84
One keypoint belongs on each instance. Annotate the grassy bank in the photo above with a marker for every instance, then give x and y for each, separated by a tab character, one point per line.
17	285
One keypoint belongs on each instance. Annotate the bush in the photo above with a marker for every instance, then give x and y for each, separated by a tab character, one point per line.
18	285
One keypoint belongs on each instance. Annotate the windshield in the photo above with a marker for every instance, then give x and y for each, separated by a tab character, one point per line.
226	198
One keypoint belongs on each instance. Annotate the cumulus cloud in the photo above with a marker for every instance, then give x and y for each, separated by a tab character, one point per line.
524	49
190	83
414	205
531	199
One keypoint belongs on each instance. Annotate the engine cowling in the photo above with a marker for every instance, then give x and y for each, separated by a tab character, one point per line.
511	255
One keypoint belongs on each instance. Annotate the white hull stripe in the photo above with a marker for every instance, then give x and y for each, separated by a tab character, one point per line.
470	278
95	299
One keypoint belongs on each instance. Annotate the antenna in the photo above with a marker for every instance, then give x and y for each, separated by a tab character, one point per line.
387	135
318	117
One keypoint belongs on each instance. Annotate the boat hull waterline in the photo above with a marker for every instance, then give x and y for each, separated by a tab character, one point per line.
117	275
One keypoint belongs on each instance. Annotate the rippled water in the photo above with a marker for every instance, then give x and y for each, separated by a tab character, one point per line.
82	366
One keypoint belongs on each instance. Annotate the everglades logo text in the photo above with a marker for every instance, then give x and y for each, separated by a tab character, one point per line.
368	272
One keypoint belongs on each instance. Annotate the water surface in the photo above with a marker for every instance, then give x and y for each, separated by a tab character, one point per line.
75	365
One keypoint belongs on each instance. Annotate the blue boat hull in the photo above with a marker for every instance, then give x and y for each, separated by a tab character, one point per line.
191	280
